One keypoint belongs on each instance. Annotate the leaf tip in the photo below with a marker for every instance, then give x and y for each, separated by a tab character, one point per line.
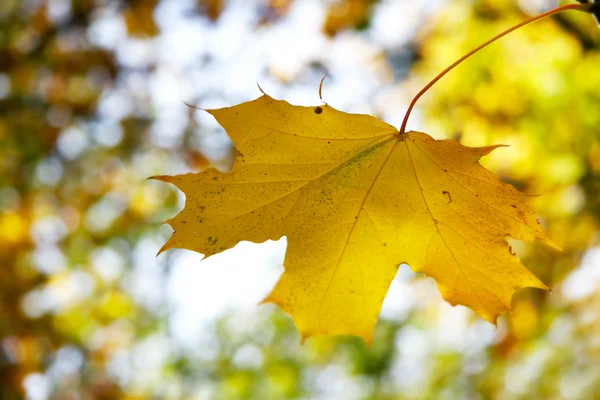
551	243
266	300
484	151
303	338
542	286
321	88
368	340
261	89
165	247
193	107
533	282
162	178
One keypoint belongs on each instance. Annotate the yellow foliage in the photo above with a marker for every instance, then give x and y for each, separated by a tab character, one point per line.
356	199
139	18
145	200
524	319
212	8
346	14
13	229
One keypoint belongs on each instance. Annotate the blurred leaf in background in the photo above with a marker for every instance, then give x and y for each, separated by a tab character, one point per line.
92	103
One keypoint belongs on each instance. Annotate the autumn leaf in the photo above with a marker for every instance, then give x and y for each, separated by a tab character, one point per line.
356	199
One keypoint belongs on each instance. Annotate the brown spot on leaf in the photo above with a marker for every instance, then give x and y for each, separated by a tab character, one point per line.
318	110
447	193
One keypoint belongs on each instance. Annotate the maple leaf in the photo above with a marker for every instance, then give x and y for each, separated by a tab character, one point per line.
356	199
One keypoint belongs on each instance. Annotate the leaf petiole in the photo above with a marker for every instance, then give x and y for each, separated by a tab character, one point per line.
578	7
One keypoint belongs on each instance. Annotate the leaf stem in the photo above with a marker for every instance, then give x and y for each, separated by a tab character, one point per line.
579	7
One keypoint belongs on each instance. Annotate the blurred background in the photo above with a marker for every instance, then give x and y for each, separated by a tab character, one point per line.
92	103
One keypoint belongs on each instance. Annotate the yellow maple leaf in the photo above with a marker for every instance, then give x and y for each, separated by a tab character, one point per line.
356	199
